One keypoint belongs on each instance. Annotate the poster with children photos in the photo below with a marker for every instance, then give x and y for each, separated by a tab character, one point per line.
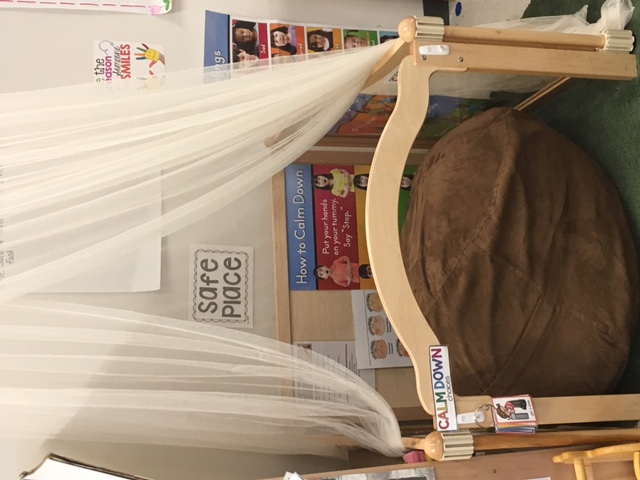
377	345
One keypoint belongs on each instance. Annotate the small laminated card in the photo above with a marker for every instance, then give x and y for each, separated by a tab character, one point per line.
514	414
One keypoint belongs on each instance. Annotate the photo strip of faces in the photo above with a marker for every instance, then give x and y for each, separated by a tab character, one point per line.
244	42
251	41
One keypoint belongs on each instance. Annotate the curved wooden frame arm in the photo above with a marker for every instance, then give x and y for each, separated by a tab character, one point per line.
389	61
381	218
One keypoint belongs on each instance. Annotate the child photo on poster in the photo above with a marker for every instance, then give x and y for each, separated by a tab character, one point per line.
343	272
359	38
338	180
337	264
387	36
324	39
249	41
286	40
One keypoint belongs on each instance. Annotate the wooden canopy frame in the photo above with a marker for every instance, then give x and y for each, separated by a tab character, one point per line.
605	56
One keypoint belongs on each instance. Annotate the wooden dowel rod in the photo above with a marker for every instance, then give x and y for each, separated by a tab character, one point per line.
523	38
555	439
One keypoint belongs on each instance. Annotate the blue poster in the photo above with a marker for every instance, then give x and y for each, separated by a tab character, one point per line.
216	39
300	228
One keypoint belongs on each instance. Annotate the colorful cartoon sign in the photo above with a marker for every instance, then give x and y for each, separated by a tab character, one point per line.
445	417
514	414
123	60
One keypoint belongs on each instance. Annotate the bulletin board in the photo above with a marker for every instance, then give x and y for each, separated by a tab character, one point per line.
326	315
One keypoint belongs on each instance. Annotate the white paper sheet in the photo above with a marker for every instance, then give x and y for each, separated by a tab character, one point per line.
138	271
343	353
377	345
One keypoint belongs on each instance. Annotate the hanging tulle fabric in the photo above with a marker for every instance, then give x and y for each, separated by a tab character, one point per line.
106	375
82	166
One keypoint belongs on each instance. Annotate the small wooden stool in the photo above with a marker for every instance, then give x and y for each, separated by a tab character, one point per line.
583	460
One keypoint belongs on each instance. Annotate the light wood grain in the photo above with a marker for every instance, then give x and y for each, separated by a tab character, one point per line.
323	315
353	141
583	460
388	62
280	258
568	410
352	157
609	436
523	38
381	211
510	466
612	453
534	61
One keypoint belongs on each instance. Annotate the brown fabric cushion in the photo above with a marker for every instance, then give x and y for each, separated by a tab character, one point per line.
521	259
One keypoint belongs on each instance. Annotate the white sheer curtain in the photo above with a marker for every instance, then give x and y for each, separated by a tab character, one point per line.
99	374
81	165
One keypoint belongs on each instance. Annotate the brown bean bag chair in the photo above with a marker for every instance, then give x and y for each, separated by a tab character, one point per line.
519	254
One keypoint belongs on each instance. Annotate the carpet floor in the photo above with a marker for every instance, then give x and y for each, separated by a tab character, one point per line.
603	117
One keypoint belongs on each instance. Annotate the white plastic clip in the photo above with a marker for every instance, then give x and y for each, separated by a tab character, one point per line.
618	41
470	418
434	50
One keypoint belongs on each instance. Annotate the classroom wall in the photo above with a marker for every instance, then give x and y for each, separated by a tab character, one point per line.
40	49
48	48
